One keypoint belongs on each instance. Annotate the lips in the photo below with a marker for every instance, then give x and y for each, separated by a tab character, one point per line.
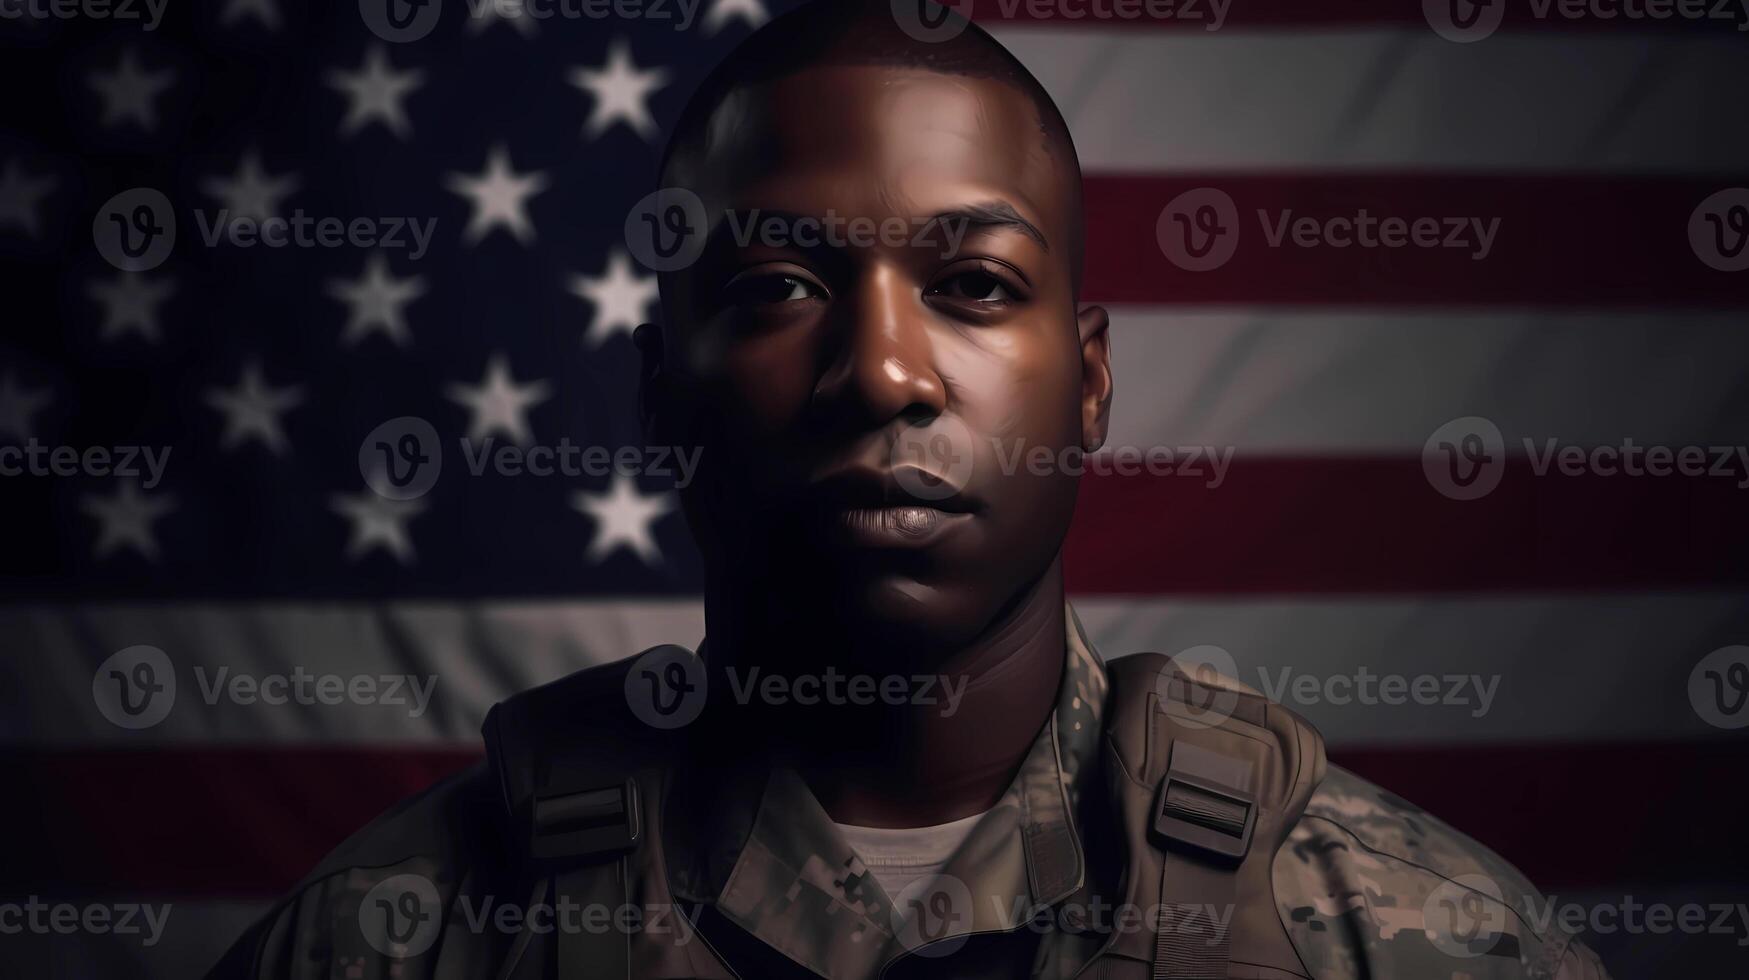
889	509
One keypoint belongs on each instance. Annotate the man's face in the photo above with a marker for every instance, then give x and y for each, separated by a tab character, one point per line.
880	350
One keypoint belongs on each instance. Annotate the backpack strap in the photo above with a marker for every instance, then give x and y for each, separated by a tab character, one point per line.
575	768
1211	779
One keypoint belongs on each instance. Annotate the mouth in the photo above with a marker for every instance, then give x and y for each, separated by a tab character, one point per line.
907	508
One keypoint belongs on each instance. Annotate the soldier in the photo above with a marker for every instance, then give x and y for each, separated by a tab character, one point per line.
896	754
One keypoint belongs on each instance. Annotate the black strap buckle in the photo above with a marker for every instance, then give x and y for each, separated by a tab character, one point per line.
1205	814
592	824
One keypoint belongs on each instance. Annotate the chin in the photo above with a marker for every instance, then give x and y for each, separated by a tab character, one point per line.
893	614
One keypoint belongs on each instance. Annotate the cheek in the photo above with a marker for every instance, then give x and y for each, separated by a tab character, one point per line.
766	385
1016	388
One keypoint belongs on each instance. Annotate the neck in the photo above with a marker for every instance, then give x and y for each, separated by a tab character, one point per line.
949	750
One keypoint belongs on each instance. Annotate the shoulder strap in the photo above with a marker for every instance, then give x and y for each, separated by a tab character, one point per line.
1212	776
574	765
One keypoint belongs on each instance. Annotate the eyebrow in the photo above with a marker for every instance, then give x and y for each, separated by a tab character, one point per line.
994	214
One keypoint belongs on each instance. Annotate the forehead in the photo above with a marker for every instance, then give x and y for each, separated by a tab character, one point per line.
891	140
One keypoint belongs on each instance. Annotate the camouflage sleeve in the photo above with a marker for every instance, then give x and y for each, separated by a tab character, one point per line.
360	923
1371	886
383	902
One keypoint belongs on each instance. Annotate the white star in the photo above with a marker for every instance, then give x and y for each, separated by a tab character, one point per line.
499	196
498	403
378	521
252	193
252	410
376	299
130	304
623	518
481	17
621	92
620	296
126	519
375	91
129	93
19	194
18	408
264	11
751	11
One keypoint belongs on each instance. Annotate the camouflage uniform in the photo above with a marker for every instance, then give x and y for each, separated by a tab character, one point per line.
748	877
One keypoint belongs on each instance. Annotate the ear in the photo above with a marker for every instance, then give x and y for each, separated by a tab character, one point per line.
1093	326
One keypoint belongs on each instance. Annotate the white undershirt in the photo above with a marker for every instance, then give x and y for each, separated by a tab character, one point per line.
898	856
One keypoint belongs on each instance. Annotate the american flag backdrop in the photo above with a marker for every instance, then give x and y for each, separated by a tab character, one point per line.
1576	632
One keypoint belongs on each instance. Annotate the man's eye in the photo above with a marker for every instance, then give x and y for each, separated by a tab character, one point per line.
769	291
976	287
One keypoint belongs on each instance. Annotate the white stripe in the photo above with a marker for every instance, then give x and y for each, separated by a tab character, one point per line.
1345	382
1541	652
1395	99
1594	668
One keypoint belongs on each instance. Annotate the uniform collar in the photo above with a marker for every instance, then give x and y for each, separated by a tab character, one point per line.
766	855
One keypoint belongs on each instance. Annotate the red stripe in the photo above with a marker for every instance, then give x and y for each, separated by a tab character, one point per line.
204	822
1567	240
1376	525
1197	15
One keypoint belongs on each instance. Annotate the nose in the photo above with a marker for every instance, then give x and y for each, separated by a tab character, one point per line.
883	363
